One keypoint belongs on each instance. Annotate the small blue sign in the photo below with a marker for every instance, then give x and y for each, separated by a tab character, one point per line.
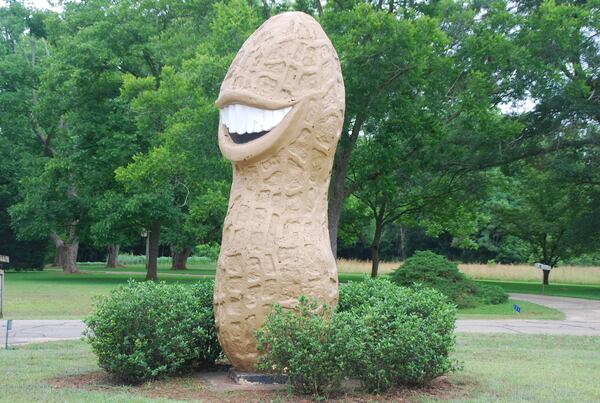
517	308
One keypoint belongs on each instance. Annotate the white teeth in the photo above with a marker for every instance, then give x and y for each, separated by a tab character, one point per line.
242	119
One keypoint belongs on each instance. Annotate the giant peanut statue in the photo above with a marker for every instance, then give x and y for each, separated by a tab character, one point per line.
281	113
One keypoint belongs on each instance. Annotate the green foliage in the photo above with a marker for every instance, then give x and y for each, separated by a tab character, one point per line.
141	259
382	334
313	348
407	333
146	330
587	259
208	250
435	271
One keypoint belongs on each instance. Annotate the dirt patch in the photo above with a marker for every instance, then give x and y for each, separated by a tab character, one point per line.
195	387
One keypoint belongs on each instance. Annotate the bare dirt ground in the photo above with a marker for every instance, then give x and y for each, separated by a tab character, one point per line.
197	387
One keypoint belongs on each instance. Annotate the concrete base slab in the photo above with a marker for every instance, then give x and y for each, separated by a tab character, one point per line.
243	378
222	381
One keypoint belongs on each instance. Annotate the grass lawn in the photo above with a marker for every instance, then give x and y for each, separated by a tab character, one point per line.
54	295
496	368
530	368
50	294
506	311
560	290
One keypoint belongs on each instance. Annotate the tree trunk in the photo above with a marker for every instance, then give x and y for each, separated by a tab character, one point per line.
180	257
337	185
66	253
153	243
112	260
70	257
403	243
546	276
59	255
336	202
375	244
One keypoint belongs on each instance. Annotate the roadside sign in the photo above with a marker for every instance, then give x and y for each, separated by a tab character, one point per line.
8	328
1	291
517	308
4	259
545	268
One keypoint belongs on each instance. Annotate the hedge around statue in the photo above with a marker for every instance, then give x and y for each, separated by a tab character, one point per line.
381	334
146	330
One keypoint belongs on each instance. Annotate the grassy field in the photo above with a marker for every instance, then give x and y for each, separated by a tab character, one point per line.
50	294
54	295
559	290
563	274
501	272
496	368
506	311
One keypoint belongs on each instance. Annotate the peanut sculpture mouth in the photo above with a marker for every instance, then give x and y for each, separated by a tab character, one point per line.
246	123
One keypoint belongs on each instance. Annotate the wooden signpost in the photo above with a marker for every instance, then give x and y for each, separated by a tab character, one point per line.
543	267
3	259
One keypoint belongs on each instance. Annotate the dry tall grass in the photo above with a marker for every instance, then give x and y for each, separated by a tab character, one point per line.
364	266
563	274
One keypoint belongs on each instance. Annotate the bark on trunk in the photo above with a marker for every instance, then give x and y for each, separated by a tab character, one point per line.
403	243
59	255
66	254
337	185
375	244
152	262
70	262
546	276
112	259
180	257
334	211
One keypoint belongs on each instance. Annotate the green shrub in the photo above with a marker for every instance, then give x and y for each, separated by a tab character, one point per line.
407	333
382	334
162	260
435	271
208	250
310	345
145	330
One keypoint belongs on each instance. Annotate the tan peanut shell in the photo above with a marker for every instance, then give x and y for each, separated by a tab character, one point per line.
275	244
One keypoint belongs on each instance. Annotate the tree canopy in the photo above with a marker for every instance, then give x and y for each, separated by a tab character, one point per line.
471	128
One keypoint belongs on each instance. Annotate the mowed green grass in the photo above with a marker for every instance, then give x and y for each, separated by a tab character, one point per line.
533	368
51	294
506	311
496	368
559	290
55	295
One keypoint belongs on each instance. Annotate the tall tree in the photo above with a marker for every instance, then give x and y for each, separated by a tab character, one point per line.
183	171
553	206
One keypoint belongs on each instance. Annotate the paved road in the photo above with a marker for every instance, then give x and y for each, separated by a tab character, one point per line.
582	319
32	331
575	309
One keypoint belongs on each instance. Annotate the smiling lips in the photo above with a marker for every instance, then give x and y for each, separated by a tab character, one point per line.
246	123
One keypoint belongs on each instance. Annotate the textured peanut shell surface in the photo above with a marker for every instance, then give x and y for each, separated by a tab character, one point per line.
275	244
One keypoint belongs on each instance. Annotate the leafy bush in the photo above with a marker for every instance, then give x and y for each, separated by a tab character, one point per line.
435	271
407	333
208	251
141	259
146	330
382	334
311	346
